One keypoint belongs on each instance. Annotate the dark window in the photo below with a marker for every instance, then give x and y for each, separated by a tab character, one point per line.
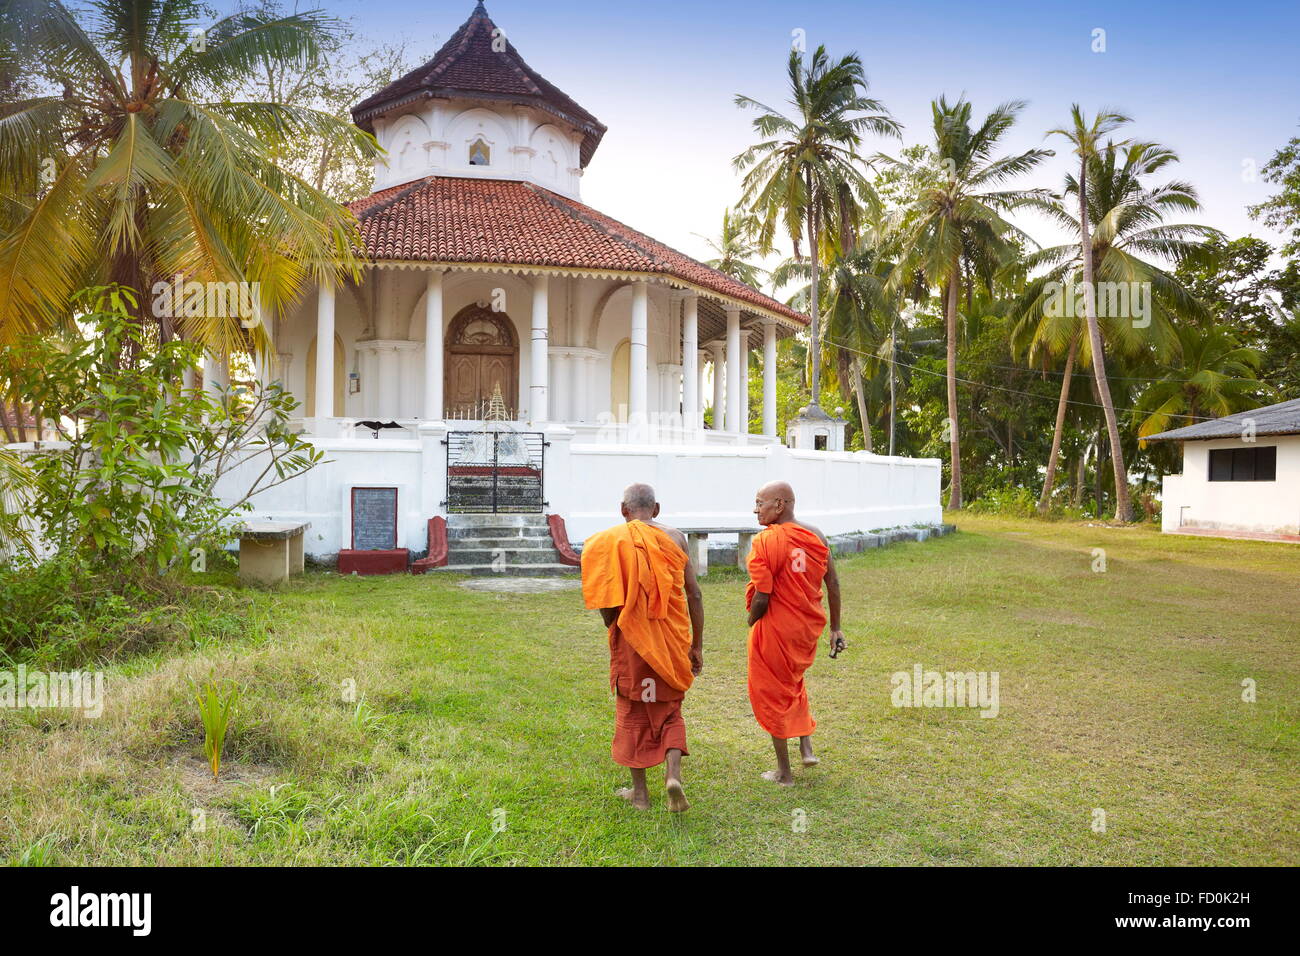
819	442
1243	464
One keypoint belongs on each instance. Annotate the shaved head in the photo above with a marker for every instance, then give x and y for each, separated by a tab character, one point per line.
777	489
638	498
774	503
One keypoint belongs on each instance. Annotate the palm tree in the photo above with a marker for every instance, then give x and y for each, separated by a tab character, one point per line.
1215	374
858	306
1127	231
1086	136
804	177
142	168
735	249
860	309
955	219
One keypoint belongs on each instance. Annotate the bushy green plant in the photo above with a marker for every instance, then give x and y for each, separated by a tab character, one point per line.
1012	502
133	479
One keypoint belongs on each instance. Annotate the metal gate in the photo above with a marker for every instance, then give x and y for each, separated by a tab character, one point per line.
495	472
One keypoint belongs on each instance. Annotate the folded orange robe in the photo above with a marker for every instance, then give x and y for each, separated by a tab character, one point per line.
640	569
788	562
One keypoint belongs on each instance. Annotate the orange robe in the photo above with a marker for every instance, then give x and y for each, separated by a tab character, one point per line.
640	569
788	562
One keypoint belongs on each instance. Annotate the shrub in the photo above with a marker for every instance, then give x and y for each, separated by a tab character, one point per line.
133	479
1013	502
89	525
61	612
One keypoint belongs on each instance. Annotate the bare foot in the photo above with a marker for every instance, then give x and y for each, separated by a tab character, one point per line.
775	777
676	796
632	797
806	752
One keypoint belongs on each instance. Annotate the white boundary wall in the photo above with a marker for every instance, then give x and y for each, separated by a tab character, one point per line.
698	485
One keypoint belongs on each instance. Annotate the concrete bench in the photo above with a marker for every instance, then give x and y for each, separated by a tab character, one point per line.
271	551
697	541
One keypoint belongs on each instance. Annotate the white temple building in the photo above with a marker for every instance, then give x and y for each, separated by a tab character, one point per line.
488	275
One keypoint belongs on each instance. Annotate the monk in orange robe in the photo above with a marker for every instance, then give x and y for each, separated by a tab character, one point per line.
788	563
640	578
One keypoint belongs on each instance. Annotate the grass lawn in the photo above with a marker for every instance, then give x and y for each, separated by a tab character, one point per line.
1119	690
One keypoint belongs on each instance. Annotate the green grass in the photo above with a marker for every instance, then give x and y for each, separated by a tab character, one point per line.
1119	690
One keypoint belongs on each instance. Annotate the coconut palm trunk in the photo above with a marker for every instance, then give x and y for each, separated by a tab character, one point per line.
1123	506
1061	406
814	302
860	392
951	296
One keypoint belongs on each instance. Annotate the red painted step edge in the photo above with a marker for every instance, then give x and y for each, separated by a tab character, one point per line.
560	538
437	557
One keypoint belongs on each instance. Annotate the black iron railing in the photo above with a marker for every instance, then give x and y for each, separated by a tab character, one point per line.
495	472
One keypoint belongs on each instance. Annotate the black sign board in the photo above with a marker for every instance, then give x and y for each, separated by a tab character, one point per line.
374	519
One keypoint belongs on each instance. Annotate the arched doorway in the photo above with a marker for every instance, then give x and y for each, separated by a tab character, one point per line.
482	353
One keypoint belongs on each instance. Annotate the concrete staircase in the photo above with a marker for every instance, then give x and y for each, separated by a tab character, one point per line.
507	545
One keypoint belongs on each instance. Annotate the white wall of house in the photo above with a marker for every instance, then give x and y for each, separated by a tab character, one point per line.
1192	500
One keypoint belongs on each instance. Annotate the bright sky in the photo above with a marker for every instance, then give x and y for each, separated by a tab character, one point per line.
1217	82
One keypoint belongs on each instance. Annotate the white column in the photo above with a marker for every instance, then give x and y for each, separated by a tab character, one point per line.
325	351
214	378
744	382
690	362
390	392
433	347
264	364
540	354
701	358
735	372
769	378
640	353
719	387
582	366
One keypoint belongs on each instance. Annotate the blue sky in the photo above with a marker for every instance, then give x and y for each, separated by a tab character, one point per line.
1217	82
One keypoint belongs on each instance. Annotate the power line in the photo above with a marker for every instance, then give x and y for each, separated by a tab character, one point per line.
1001	388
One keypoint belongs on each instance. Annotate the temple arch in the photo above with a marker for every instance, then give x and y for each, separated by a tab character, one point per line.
481	354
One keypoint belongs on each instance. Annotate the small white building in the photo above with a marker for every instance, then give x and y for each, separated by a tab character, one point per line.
489	276
1241	476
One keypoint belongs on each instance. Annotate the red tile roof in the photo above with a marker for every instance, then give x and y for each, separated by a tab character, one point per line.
452	219
468	66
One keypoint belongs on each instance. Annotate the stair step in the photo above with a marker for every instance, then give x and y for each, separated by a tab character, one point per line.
512	555
457	534
496	521
510	570
509	544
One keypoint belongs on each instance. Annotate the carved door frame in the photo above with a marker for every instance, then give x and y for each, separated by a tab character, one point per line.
505	342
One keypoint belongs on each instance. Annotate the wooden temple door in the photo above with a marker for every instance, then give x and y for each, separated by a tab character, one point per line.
481	355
